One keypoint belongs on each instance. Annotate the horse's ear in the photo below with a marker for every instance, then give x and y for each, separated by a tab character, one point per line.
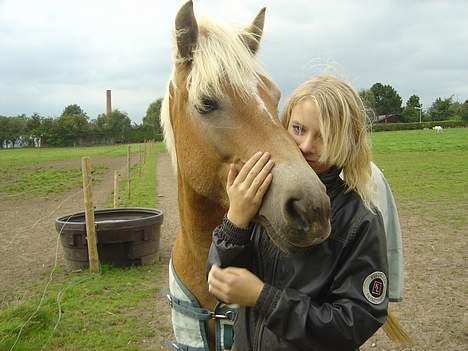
186	31
253	33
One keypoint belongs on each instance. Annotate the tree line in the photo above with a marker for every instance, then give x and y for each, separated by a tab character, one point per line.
383	99
74	127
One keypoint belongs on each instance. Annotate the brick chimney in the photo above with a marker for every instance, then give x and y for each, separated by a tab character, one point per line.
108	102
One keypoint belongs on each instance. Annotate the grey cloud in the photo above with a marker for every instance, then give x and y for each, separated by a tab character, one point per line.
420	47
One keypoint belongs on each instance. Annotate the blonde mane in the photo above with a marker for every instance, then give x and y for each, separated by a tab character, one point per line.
220	57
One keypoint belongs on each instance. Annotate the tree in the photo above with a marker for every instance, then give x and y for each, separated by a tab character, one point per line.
70	128
440	109
411	111
115	124
48	132
33	126
464	111
15	129
153	118
3	130
387	100
74	109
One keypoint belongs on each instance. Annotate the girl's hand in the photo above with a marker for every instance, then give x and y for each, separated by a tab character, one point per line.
247	188
234	285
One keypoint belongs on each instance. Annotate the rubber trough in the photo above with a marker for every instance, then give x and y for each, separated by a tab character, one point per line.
125	236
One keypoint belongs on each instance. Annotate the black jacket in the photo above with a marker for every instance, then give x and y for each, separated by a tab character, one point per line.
333	297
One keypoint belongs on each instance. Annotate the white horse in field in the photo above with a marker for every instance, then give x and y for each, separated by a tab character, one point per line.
438	129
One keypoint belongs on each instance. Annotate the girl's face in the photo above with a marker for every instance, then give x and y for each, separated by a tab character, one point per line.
304	126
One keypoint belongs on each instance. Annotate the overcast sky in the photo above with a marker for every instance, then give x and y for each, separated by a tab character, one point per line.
57	52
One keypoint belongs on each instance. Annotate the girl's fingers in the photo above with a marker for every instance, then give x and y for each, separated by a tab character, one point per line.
218	286
216	275
219	293
263	188
256	169
231	175
260	178
247	167
221	275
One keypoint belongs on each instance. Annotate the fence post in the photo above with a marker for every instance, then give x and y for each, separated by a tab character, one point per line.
116	189
89	215
128	170
140	161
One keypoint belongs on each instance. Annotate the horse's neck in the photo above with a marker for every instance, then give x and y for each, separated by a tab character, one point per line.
198	217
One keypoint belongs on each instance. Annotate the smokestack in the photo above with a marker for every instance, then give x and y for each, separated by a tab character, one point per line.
108	102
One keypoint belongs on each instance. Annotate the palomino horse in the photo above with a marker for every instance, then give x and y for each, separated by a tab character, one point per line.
220	109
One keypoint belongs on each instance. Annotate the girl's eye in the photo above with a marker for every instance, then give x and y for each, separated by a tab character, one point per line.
207	105
298	129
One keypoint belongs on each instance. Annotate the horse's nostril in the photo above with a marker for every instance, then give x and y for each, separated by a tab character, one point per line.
296	210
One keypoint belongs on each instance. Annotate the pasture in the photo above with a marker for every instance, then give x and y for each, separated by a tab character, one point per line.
122	309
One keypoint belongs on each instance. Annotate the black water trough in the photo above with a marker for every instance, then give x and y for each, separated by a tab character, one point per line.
125	236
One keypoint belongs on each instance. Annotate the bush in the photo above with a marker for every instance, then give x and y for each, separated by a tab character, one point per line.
380	127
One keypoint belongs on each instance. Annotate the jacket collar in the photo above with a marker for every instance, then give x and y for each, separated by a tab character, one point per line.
332	181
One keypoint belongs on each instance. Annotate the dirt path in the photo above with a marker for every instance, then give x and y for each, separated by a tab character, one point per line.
28	239
166	185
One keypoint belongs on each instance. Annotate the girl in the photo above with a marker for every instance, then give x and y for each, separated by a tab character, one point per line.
334	296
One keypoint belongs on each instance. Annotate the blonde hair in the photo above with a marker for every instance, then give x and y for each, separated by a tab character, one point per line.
343	126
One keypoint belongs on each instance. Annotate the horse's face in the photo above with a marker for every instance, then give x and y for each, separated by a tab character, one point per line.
229	125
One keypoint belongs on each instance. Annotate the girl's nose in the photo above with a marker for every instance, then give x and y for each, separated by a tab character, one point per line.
307	146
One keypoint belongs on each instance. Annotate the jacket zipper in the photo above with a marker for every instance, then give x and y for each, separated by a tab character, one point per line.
262	327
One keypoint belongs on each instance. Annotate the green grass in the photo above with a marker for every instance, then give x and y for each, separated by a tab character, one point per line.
107	311
30	156
427	170
98	312
141	182
423	141
25	172
43	181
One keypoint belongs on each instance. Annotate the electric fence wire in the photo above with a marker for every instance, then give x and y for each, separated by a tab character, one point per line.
47	287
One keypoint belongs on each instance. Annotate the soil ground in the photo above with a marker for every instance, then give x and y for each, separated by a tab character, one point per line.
433	311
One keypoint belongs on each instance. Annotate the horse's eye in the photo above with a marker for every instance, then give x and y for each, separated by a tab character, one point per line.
207	105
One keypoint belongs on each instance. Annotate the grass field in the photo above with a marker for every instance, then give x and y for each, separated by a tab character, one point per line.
31	156
28	172
109	311
427	168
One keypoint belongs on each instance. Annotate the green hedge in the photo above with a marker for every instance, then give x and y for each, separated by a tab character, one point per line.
379	127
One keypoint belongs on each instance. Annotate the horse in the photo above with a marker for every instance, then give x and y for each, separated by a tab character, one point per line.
220	107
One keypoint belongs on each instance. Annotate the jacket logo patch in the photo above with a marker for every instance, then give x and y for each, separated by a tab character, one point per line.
375	287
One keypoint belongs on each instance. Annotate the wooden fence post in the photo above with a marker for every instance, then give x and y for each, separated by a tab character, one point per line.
140	161
128	170
116	189
89	215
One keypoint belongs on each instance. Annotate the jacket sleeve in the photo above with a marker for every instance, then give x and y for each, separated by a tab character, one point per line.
354	307
230	246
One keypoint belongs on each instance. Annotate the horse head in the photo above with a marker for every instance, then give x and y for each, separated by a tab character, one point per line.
220	108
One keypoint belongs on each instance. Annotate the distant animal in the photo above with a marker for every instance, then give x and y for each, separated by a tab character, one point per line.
438	129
